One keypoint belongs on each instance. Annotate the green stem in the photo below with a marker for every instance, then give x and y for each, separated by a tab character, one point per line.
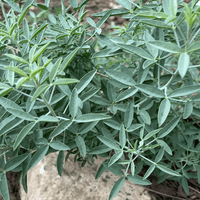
48	106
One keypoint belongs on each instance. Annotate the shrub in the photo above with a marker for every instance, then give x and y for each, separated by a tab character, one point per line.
135	101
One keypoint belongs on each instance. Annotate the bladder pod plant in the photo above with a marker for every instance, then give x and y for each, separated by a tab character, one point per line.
134	102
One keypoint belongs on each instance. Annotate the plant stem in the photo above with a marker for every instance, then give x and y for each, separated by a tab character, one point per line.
49	106
102	75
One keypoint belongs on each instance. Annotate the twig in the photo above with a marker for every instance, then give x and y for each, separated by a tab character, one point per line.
103	75
194	189
167	195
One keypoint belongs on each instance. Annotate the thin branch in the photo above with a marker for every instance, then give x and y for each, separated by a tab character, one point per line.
163	194
102	75
194	189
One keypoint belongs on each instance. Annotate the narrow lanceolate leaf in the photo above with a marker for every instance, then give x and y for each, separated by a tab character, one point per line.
47	118
160	154
136	50
91	117
39	91
185	91
17	58
163	111
60	160
145	116
132	168
59	146
22	15
38	156
21	81
168	128
54	70
108	142
23	134
40	52
7	103
122	136
100	171
85	80
166	46
167	170
121	77
21	114
99	149
60	128
87	127
124	3
188	109
65	81
128	117
134	127
81	145
13	5
138	180
68	59
5	92
183	64
151	134
16	161
116	188
73	106
4	187
170	7
115	157
74	3
156	23
194	47
36	71
150	90
165	146
38	30
126	94
17	70
149	171
104	18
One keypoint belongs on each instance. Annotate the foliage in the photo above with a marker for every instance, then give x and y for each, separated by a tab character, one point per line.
135	101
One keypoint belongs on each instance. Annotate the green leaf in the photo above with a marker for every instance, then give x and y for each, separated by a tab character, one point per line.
68	59
152	14
40	153
104	18
73	106
138	180
194	47
185	91
170	7
59	146
124	3
121	77
148	63
54	70
166	46
21	114
156	23
163	111
22	134
183	64
99	149
39	91
113	124
17	58
136	50
5	92
65	81
99	100
188	109
122	136
160	154
7	103
87	127
115	157
165	145
149	171
27	4
151	134
60	160
36	71
47	118
116	188
145	116
4	187
15	162
128	117
26	29
74	3
167	170
39	52
85	80
21	81
150	90
4	86
134	127
108	142
185	185
168	128
91	117
126	94
91	22
60	128
132	168
81	145
38	30
17	70
13	5
22	15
